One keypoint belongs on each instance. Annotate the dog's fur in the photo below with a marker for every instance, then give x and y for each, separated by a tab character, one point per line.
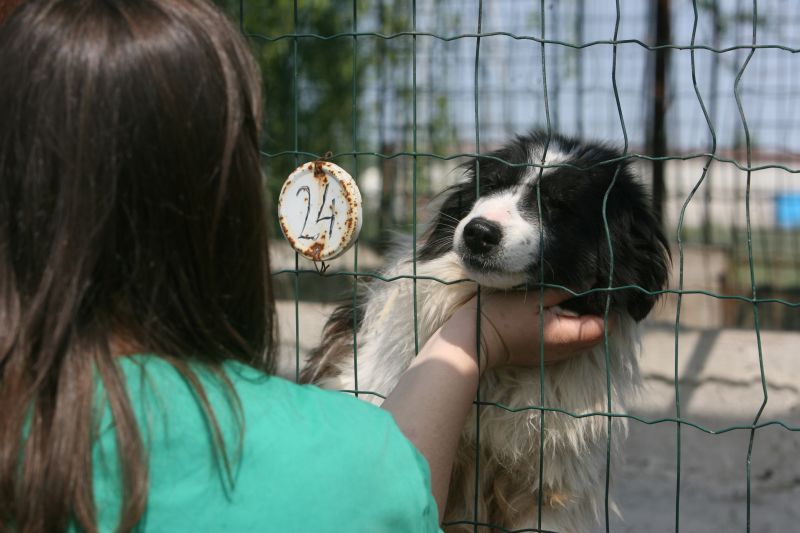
565	227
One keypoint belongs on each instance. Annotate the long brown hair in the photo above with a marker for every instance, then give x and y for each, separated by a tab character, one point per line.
132	210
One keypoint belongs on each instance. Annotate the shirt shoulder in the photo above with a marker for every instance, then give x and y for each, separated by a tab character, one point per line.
355	464
309	459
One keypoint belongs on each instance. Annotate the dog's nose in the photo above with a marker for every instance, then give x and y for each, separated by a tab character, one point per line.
481	235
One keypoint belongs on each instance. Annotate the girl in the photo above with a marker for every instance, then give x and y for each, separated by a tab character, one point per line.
136	308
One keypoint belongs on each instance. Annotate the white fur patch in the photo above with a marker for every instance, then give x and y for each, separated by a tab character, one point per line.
519	247
574	448
553	157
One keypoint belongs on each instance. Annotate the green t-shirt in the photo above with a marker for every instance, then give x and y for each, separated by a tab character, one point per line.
310	461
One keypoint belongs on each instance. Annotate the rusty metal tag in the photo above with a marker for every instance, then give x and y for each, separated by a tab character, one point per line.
320	210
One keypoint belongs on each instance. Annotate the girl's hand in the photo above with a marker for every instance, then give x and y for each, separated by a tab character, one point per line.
511	327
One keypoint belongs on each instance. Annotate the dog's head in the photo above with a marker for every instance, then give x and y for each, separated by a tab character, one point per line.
505	218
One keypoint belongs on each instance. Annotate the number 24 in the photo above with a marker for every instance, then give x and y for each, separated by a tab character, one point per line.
331	218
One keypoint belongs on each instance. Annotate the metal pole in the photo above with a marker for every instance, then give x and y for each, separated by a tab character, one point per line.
658	137
717	28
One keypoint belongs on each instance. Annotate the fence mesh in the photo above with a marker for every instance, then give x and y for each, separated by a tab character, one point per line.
701	96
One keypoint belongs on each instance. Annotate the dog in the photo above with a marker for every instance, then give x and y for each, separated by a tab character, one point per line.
530	212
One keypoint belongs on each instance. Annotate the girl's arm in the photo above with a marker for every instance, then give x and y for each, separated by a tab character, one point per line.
433	397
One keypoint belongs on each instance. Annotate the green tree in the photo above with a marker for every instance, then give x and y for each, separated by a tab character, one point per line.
308	81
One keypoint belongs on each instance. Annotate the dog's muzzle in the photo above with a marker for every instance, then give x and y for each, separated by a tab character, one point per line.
482	236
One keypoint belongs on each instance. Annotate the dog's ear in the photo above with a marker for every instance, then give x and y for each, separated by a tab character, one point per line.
641	252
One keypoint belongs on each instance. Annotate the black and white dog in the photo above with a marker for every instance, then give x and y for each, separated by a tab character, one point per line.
494	230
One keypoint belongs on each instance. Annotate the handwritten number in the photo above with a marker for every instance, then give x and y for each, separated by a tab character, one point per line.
320	218
333	207
308	210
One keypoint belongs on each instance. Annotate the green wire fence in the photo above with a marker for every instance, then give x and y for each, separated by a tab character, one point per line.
399	90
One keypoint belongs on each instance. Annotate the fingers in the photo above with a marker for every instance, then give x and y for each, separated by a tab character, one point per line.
572	331
564	337
511	327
